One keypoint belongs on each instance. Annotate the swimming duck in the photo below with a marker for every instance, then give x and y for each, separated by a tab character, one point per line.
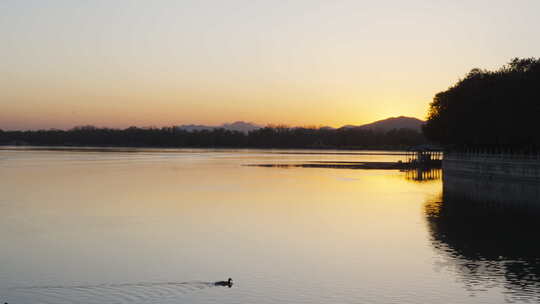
227	283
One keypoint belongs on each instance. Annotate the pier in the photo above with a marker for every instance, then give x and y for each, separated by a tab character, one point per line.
426	156
419	158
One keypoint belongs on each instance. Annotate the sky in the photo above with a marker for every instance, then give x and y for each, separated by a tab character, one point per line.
297	62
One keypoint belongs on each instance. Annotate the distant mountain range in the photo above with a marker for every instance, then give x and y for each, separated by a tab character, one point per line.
384	125
388	124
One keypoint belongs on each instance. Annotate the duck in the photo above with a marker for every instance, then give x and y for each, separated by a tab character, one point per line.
227	283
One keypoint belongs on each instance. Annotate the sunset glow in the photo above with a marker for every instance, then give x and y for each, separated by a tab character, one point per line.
142	63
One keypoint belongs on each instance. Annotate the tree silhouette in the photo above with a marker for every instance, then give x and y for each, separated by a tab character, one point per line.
490	108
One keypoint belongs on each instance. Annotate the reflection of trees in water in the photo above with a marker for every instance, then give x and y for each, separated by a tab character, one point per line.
488	246
423	174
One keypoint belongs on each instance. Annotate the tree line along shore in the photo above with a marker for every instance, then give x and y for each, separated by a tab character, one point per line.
268	137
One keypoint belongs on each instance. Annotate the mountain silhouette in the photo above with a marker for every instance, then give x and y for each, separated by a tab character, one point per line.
401	122
240	126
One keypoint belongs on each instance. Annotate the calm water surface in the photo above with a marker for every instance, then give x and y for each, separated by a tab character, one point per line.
160	226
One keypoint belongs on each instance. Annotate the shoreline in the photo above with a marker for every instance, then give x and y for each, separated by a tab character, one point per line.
347	151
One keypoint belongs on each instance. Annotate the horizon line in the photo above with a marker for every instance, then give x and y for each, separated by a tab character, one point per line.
259	125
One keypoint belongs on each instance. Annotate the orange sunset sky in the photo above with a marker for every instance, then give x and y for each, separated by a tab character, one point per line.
156	63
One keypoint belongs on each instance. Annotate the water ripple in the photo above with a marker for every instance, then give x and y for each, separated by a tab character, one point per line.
123	293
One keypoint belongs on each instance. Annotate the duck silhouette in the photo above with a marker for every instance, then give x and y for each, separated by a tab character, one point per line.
227	283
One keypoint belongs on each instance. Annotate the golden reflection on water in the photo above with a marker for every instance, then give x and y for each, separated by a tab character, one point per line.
117	218
214	192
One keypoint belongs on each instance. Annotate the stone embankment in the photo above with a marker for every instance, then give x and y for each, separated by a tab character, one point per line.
507	179
493	166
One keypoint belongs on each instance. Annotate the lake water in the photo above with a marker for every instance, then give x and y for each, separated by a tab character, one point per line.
160	226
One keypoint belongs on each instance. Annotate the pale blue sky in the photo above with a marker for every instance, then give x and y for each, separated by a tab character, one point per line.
121	63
